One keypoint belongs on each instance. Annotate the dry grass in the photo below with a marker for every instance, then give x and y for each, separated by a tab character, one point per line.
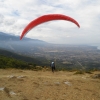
45	85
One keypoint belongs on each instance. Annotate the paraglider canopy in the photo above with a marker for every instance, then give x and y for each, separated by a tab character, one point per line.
46	18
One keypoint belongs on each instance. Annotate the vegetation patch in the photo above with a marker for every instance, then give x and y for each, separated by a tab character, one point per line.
79	72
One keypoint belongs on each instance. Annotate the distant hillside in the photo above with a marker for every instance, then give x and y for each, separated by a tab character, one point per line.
13	43
9	37
37	61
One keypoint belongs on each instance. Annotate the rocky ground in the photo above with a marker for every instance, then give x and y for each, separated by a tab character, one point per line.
45	85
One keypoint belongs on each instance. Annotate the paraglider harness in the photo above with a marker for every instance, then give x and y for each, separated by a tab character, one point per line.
53	66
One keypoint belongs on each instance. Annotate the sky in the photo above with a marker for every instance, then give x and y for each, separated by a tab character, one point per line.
15	15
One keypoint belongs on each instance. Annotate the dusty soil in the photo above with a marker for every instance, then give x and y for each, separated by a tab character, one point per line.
45	85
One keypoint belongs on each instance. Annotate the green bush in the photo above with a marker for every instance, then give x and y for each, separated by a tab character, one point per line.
79	72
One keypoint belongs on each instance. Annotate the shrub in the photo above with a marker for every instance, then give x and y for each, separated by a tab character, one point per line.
79	72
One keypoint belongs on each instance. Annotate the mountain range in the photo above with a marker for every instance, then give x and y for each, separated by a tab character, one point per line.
13	43
42	53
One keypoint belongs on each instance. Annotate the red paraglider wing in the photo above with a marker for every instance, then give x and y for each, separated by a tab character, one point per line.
46	18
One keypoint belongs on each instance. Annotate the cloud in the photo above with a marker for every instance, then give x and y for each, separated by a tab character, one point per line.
15	15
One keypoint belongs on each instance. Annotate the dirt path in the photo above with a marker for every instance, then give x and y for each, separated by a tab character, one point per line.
45	85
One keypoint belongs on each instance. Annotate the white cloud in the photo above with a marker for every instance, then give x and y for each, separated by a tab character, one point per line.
15	15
